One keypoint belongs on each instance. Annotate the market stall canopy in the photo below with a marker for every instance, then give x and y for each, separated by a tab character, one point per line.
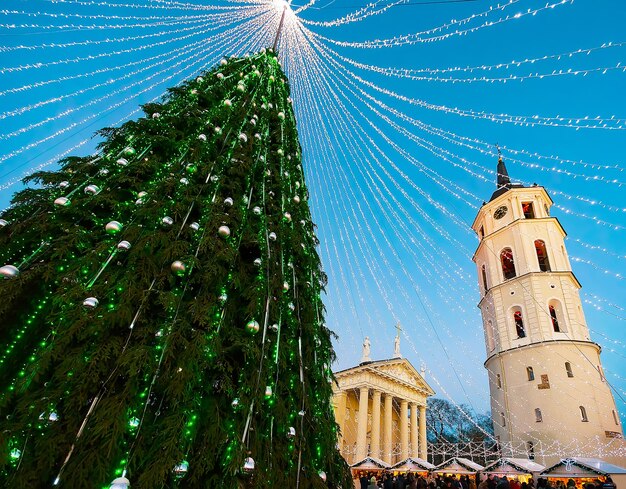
513	466
458	465
413	465
577	467
370	463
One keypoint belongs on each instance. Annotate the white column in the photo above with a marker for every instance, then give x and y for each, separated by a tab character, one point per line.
375	436
414	423
361	433
422	434
404	428
387	429
340	416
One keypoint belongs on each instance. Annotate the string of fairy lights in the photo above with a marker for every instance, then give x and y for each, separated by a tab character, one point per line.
394	246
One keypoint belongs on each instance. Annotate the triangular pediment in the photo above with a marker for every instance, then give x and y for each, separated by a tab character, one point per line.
397	370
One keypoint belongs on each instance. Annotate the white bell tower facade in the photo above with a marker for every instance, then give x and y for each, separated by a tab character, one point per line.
549	396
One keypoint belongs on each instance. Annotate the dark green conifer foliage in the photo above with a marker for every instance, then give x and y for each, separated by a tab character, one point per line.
191	229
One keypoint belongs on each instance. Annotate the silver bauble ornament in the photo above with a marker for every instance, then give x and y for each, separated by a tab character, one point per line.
62	201
253	122
322	475
274	327
263	106
156	115
220	76
178	267
268	391
296	199
9	271
217	130
224	231
235	403
64	184
113	227
258	262
297	184
142	194
241	87
120	483
223	62
223	298
199	79
280	152
92	189
285	286
90	303
122	162
243	138
193	91
257	136
3	223
291	306
202	137
129	151
257	73
272	236
15	453
272	78
256	211
281	115
214	178
270	105
228	103
228	201
288	216
182	467
123	246
184	181
291	432
301	413
167	220
248	465
195	226
104	172
252	327
53	417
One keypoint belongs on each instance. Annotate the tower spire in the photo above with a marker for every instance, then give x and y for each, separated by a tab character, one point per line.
503	179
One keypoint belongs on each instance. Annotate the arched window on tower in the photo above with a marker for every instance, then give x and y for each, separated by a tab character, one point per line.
568	369
519	323
542	256
538	416
483	271
499	381
491	342
583	414
528	210
508	264
615	417
531	450
503	419
554	319
530	373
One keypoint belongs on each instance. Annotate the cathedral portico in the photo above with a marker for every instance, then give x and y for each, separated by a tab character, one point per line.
380	407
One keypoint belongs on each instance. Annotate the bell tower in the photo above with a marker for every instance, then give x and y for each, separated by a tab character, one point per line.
549	396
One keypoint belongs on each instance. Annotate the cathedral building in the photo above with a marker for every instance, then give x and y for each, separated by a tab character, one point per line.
549	395
380	407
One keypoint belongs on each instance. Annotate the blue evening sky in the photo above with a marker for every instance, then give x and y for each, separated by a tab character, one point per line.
385	261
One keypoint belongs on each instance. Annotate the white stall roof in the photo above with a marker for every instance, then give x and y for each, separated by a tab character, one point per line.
370	463
510	465
582	467
413	465
459	465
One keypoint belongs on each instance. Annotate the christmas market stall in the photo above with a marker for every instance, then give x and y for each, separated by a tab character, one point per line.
369	465
413	465
458	466
585	470
521	469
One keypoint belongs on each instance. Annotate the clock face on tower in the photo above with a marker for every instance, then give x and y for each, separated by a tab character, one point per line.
500	212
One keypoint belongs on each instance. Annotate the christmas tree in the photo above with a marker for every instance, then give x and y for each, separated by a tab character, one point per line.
162	323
